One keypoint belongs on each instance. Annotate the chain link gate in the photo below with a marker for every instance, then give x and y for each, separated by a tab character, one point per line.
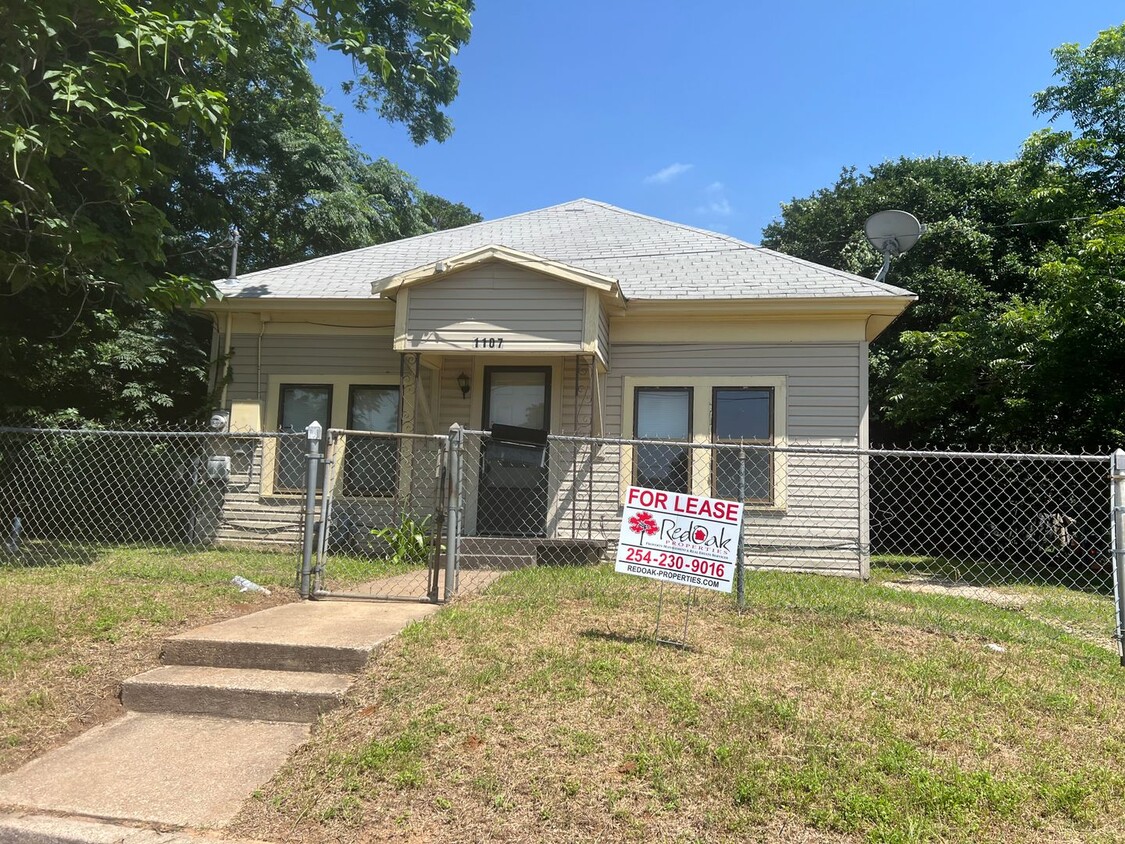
379	529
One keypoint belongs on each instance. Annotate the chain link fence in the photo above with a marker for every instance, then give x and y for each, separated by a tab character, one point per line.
428	517
66	493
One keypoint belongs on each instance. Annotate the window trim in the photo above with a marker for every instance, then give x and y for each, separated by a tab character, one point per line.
338	410
703	391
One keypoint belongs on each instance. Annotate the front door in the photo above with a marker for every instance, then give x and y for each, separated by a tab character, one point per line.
512	499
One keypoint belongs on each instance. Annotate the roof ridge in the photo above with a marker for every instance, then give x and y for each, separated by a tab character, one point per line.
308	261
743	244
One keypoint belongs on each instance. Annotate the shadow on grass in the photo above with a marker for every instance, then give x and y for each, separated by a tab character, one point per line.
645	639
46	553
1077	574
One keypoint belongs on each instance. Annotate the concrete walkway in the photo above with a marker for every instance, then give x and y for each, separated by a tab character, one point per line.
207	728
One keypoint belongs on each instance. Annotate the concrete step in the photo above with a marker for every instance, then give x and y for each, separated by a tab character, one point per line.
295	696
316	636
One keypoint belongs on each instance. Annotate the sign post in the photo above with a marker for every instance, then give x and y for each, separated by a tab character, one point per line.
677	538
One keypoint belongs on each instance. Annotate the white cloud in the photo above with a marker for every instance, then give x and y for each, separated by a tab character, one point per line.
715	202
662	177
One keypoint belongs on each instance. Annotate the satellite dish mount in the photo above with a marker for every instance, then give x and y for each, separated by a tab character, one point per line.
892	233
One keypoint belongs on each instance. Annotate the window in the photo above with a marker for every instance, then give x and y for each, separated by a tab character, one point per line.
726	409
371	463
742	415
298	406
663	413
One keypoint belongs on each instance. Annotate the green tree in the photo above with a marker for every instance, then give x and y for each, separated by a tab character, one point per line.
96	96
132	139
983	245
1091	94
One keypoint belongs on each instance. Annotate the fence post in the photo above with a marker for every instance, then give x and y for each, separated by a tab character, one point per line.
313	435
453	508
1117	532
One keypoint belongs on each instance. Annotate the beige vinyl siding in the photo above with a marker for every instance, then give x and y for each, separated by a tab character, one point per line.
603	335
820	525
301	354
529	312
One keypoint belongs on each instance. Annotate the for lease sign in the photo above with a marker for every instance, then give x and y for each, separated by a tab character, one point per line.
680	538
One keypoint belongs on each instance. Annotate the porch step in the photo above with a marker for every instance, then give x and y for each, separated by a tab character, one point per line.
309	636
291	696
510	553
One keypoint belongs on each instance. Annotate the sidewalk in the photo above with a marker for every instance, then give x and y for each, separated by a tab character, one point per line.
232	701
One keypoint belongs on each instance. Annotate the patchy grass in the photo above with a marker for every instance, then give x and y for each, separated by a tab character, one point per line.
829	711
70	633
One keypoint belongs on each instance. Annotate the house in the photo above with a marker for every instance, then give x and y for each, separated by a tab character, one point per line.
580	320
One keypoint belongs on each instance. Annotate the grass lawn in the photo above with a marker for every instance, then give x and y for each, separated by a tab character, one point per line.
70	633
830	710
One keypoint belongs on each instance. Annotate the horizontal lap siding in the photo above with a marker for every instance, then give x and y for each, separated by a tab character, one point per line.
529	312
300	354
247	518
819	528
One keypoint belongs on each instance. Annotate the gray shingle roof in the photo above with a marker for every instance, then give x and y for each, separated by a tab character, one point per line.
650	258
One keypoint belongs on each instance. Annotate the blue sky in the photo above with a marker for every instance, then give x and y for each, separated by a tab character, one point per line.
714	113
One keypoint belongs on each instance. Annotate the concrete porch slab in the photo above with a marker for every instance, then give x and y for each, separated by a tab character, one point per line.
180	770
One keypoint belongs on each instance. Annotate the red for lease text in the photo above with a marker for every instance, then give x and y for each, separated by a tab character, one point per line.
687	505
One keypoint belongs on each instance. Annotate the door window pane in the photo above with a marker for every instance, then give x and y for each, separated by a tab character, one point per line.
517	398
743	415
300	404
663	413
371	463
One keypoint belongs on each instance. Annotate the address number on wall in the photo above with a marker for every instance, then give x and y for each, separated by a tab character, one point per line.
488	342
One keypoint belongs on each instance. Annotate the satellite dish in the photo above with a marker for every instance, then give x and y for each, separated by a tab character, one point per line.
892	233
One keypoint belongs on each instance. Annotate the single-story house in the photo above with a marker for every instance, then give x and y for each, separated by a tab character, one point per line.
581	320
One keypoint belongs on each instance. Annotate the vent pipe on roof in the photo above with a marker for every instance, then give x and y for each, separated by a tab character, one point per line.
234	238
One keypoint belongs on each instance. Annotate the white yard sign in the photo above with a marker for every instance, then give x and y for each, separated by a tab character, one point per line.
679	538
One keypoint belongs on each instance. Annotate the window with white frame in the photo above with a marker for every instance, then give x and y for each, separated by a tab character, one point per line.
728	410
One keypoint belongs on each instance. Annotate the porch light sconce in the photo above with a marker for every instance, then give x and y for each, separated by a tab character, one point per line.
464	384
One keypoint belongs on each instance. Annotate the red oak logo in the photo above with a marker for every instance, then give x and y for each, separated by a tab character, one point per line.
700	535
644	524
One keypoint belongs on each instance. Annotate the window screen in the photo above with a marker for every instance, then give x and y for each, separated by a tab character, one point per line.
663	413
742	415
371	463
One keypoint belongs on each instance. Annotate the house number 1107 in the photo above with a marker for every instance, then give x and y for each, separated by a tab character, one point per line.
488	342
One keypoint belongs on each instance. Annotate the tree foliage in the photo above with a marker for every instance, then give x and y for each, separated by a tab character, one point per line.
982	247
97	95
133	138
1018	337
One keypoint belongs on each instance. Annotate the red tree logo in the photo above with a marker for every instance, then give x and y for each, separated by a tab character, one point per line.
644	524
